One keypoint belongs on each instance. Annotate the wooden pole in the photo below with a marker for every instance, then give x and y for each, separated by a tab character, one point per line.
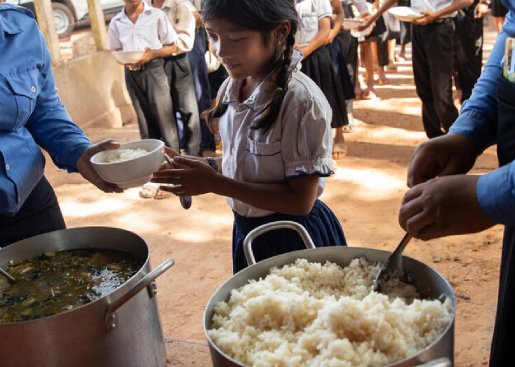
47	25
98	24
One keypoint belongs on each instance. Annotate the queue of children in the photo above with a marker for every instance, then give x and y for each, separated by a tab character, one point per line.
280	113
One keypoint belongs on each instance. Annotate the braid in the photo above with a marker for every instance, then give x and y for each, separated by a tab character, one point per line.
208	117
282	79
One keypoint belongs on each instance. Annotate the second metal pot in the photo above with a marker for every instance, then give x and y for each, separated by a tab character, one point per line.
429	283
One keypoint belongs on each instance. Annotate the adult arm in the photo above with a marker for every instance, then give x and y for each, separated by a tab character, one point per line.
324	28
53	130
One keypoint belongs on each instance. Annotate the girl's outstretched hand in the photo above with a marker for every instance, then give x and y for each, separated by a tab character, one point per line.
190	176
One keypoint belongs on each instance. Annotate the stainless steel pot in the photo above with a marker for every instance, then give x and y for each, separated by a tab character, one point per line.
429	283
121	329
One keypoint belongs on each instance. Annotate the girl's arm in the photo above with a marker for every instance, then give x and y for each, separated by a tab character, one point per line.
192	176
324	28
337	20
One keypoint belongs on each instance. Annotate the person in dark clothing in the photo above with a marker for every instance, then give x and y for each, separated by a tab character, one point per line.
433	37
443	200
468	48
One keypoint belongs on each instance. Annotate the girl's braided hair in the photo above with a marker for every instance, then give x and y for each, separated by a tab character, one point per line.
262	16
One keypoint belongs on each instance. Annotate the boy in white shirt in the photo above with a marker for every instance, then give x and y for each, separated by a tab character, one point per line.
178	71
140	27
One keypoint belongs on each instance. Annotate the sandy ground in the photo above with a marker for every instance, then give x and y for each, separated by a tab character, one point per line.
365	194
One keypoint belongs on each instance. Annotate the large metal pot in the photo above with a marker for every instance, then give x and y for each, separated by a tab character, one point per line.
121	329
429	283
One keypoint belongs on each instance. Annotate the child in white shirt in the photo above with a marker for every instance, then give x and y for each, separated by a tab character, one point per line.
275	130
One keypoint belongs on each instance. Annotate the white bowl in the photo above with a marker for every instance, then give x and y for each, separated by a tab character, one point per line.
405	13
351	23
128	57
133	172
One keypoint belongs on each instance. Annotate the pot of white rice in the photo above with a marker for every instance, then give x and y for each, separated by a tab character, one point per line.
316	308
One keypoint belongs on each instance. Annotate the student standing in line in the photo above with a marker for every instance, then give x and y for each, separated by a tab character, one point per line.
178	71
140	27
433	60
199	71
274	123
468	47
315	17
444	200
340	67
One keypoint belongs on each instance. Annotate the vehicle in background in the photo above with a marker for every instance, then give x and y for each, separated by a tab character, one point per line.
68	13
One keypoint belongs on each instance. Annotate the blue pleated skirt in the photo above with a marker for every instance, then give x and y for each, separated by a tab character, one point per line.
321	224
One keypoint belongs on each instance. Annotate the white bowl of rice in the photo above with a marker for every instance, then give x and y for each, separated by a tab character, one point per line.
132	164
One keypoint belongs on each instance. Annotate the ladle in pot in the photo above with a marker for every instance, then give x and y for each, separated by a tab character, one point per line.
392	267
7	275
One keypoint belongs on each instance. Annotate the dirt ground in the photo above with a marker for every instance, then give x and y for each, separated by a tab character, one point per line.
365	194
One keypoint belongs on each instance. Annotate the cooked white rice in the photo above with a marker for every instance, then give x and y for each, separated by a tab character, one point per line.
121	155
309	314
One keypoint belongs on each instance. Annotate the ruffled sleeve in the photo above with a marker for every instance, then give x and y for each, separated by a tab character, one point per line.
307	139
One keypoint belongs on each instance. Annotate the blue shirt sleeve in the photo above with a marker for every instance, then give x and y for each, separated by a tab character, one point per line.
478	122
50	124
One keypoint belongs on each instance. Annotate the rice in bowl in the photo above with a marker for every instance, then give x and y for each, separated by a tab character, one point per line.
312	314
122	155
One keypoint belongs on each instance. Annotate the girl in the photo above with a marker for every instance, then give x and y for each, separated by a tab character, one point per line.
315	30
274	123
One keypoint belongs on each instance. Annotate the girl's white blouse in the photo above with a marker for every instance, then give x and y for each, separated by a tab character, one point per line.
298	143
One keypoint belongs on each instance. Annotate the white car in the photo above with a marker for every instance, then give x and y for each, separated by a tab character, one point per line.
67	13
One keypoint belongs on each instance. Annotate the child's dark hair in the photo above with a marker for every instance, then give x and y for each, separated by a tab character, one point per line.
262	16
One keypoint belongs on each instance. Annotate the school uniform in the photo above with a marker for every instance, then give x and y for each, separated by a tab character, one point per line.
349	43
468	50
180	77
299	143
32	118
148	87
487	119
318	65
433	66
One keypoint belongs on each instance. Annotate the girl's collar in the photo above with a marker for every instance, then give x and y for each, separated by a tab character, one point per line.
264	92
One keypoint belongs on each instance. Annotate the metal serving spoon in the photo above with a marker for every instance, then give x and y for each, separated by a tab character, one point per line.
392	267
7	275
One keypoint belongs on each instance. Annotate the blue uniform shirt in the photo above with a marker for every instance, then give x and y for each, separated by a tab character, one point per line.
478	122
31	113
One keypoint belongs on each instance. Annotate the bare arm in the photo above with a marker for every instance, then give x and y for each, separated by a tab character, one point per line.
431	17
337	20
150	54
193	176
386	5
320	39
294	196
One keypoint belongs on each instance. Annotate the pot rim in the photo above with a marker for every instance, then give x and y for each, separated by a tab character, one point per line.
299	252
